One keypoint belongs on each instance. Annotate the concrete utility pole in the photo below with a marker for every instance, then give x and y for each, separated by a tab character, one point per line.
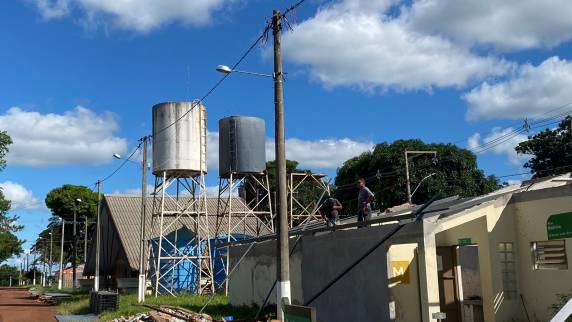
61	277
85	242
142	274
74	259
51	262
97	238
407	153
283	267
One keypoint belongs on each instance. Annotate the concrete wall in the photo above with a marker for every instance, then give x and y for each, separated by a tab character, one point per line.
539	287
253	278
405	305
361	295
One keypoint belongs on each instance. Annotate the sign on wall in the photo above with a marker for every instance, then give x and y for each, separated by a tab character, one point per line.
559	226
297	313
399	272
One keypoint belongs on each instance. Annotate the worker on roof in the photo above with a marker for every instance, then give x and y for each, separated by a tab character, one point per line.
329	211
365	198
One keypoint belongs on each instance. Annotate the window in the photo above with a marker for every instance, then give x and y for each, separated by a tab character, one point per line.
507	262
550	254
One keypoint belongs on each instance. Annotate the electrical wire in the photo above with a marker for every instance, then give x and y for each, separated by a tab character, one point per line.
220	81
121	165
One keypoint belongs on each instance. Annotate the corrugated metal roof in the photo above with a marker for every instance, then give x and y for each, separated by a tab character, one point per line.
125	212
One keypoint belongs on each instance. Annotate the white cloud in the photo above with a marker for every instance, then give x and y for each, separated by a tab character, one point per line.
78	136
137	15
133	191
501	142
355	43
503	24
530	92
322	154
20	197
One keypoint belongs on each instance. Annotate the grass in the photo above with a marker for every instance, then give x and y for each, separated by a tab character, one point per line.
218	307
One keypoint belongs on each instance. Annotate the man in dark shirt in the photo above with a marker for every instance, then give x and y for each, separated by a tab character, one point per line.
365	198
329	211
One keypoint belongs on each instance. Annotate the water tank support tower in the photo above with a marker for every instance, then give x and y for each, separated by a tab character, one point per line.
301	211
179	243
244	198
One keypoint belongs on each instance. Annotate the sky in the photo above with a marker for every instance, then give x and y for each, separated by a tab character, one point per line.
78	79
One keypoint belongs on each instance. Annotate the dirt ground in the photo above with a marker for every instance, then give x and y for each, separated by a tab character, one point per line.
17	306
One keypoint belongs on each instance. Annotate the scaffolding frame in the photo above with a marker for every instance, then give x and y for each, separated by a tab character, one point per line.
232	205
300	211
188	207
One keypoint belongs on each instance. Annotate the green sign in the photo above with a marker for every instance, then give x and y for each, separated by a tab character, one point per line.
297	313
464	241
559	226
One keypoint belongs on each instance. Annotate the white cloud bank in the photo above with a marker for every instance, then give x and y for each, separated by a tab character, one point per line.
136	15
530	92
493	143
357	43
78	136
21	198
320	154
502	24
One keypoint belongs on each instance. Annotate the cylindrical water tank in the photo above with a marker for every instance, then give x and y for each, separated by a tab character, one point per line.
179	139
241	145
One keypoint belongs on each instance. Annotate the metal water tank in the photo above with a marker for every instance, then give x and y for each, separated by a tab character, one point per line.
241	145
179	139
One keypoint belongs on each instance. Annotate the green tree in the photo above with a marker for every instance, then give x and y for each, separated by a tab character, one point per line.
455	169
551	150
9	244
63	202
7	271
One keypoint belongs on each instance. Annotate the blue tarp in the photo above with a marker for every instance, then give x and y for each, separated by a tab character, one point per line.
183	277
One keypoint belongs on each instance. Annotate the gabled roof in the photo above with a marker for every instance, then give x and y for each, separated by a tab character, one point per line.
125	214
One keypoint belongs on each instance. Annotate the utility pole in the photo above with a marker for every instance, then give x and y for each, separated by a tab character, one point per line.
61	277
51	261
97	238
142	273
283	263
85	242
34	267
407	153
74	259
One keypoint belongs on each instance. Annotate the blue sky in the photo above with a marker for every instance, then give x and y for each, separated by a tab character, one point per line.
78	79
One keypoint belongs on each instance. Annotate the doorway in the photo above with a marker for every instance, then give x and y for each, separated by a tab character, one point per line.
460	283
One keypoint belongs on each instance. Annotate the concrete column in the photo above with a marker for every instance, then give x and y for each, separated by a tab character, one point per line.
428	275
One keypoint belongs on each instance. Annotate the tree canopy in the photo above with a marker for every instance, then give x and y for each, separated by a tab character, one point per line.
9	243
551	150
456	173
62	202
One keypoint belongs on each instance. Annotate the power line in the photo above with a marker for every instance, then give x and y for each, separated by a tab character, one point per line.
222	79
122	164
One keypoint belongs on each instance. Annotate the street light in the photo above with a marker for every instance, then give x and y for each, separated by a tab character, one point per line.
407	153
227	70
420	182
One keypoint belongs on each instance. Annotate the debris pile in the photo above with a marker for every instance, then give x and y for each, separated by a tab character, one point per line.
166	313
53	298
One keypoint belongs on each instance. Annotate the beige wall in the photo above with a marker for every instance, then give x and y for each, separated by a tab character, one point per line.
539	287
404	292
520	222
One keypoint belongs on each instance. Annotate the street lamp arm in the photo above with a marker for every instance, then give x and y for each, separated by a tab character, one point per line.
420	182
252	73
